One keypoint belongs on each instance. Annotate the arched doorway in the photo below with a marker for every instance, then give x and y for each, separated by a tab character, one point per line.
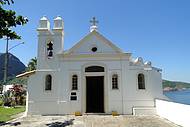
94	89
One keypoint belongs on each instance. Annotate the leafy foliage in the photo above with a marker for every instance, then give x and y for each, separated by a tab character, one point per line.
32	64
174	84
7	98
14	80
9	19
6	2
18	95
14	96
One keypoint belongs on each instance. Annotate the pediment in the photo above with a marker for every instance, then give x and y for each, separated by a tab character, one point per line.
94	43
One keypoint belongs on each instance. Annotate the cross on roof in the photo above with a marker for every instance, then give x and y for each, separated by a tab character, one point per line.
93	21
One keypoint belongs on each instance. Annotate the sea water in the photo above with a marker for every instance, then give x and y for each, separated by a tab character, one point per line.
182	96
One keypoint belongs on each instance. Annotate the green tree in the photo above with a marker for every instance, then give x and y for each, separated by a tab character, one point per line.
9	19
14	80
32	64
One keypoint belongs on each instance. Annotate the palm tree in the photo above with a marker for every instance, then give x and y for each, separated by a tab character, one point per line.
32	64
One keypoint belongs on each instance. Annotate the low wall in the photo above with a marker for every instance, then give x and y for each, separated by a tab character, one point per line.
175	112
144	111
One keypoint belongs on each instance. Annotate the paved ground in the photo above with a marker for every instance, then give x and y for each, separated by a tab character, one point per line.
91	121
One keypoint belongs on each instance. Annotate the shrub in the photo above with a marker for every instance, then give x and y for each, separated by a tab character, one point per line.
18	94
14	96
1	102
6	98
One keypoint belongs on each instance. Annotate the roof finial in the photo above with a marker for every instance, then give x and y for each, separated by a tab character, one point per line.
93	21
93	24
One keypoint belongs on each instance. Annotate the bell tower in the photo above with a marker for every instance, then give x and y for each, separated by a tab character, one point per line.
44	35
58	34
50	42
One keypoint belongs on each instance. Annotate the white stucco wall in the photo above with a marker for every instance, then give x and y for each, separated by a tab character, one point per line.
93	41
64	64
175	112
6	88
122	100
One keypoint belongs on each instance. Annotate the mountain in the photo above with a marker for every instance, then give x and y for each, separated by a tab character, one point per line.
174	85
15	66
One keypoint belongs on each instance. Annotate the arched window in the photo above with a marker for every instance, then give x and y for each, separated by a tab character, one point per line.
50	49
74	82
94	69
141	81
48	82
114	81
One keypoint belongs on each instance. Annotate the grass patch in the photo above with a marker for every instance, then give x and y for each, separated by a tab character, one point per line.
6	113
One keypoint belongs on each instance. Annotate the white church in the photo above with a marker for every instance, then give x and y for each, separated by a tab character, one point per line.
94	76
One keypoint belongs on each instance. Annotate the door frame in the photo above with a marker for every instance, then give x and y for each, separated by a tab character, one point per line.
102	77
83	92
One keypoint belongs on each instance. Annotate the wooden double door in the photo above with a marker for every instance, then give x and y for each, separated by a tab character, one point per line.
95	94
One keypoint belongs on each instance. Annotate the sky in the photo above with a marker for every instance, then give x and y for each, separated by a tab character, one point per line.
156	30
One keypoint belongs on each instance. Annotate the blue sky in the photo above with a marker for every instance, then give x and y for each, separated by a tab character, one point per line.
157	30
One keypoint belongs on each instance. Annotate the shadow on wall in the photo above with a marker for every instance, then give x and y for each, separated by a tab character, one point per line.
61	124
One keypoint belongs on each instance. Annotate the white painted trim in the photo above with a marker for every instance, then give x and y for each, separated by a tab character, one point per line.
44	83
46	70
94	74
117	49
118	73
70	80
145	81
98	54
98	35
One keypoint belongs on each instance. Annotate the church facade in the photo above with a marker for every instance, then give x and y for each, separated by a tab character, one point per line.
94	76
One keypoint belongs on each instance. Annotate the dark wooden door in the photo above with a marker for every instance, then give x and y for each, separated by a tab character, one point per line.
95	94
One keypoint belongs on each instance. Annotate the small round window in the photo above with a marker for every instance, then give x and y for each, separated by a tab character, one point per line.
94	49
